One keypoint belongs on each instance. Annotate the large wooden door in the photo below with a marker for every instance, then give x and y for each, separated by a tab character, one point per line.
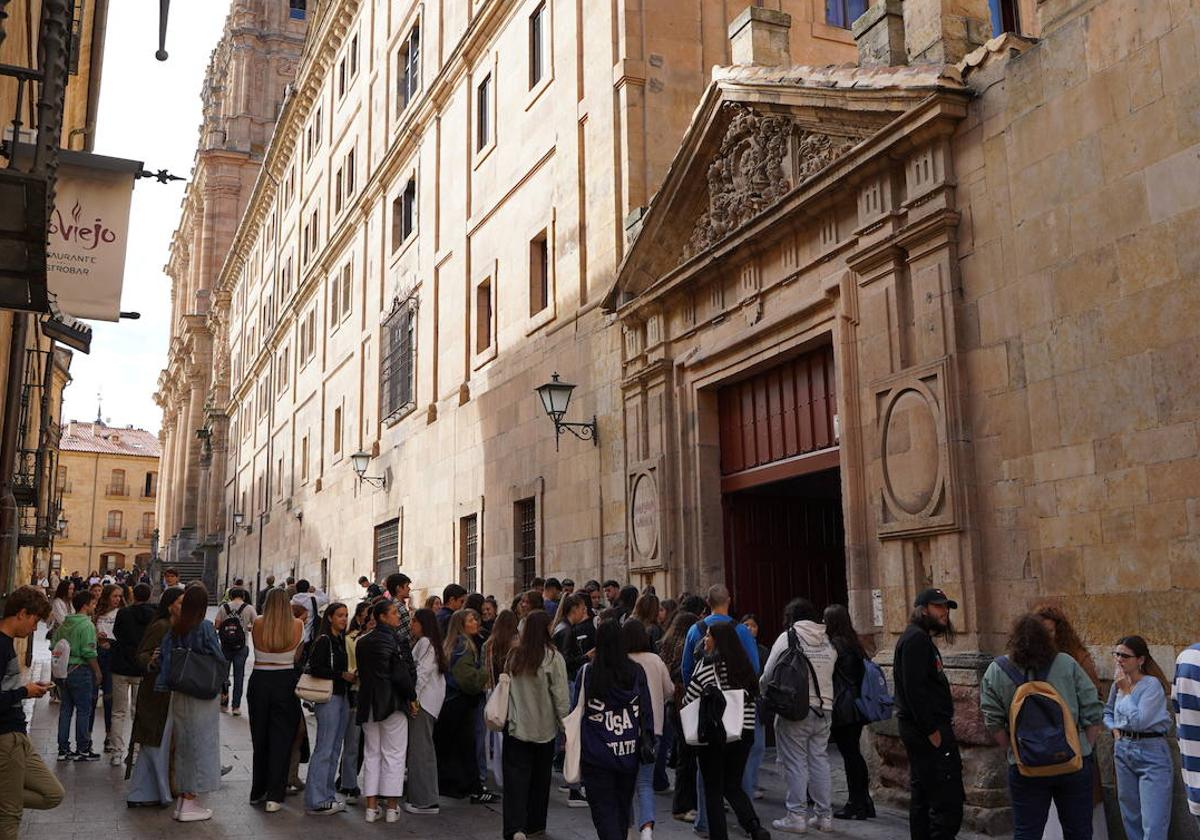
783	541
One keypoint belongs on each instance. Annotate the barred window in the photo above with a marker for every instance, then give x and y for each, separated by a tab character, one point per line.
525	514
469	535
387	549
396	391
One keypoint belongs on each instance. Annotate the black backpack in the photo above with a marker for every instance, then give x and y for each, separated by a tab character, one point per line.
231	632
788	690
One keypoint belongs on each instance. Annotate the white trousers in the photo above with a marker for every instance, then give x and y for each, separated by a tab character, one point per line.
385	745
124	706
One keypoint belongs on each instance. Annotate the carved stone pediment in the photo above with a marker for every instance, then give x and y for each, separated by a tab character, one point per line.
760	159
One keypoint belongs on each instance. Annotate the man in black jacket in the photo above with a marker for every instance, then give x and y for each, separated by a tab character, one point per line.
926	717
130	626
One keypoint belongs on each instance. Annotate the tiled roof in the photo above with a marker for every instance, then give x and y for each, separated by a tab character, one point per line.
844	76
98	437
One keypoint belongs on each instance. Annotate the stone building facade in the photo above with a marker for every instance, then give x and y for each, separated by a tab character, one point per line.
107	479
244	89
438	217
932	320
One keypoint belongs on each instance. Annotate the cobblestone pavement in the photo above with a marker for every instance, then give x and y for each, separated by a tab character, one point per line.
94	806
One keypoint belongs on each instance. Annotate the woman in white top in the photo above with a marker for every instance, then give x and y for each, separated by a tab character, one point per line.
274	708
60	605
658	677
421	796
105	618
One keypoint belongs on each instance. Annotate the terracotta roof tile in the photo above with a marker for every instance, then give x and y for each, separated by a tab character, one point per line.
98	437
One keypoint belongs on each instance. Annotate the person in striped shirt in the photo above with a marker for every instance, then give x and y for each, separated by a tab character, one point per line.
727	667
1185	698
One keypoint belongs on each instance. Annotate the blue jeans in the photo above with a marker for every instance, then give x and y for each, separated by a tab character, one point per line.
661	780
1072	797
76	699
644	795
237	661
320	788
1145	780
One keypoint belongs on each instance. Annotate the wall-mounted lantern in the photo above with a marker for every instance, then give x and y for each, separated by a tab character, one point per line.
556	397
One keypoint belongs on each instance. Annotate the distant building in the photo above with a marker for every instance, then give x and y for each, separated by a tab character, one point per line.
107	479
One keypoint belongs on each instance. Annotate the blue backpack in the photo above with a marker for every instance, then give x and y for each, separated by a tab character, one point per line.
874	702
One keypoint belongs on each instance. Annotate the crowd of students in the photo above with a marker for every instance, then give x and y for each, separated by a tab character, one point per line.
607	685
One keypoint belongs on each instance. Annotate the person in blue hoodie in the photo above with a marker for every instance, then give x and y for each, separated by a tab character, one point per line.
618	709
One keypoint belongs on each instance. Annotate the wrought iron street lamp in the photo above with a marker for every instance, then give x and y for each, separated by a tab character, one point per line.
359	461
556	397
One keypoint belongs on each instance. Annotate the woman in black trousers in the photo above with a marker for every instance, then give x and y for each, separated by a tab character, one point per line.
274	710
727	667
847	728
683	802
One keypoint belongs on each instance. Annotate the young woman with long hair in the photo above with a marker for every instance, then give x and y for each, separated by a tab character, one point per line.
667	608
274	709
347	780
105	618
683	800
640	649
1137	714
388	687
646	610
196	723
846	731
615	690
327	659
537	703
1065	639
500	644
150	783
1031	655
727	667
421	797
454	734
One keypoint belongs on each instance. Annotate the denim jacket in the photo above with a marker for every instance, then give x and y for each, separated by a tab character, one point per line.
202	639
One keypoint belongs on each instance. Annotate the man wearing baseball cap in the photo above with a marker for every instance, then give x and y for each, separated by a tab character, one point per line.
926	716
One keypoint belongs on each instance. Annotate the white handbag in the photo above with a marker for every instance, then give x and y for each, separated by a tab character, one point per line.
572	729
735	707
495	711
314	689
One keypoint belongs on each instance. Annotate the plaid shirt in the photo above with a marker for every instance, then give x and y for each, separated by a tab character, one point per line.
404	631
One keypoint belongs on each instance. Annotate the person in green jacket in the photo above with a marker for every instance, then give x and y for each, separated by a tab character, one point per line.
83	672
1031	651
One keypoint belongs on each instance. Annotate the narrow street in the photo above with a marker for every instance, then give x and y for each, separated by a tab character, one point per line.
95	802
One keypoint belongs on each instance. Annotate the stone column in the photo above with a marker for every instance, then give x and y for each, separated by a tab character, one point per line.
162	504
191	446
180	462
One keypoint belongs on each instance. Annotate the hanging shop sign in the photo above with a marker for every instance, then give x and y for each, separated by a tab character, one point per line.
88	233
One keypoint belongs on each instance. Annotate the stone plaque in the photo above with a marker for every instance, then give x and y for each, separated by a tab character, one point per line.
644	516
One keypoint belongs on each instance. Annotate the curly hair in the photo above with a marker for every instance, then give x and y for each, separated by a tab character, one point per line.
1029	644
1067	641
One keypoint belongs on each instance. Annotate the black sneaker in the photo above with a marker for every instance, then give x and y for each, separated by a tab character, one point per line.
66	755
576	799
87	756
485	798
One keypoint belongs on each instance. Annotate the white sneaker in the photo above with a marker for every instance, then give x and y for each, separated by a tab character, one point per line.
117	760
520	835
792	823
373	814
393	815
647	833
178	807
824	824
272	807
192	812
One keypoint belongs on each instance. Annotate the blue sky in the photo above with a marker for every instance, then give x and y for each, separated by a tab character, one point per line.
149	111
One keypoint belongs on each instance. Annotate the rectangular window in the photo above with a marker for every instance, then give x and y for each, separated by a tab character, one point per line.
483	316
312	135
279	477
408	70
539	273
315	230
396	392
289	187
483	113
469	553
1005	17
281	370
304	458
341	77
337	431
525	528
387	549
112	527
404	214
335	297
347	289
354	56
337	192
843	13
296	9
537	45
350	185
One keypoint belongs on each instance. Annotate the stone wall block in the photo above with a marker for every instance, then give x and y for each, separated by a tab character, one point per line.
1174	373
1161	521
1064	462
1126	487
1118	526
1079	282
1168	443
1171	184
